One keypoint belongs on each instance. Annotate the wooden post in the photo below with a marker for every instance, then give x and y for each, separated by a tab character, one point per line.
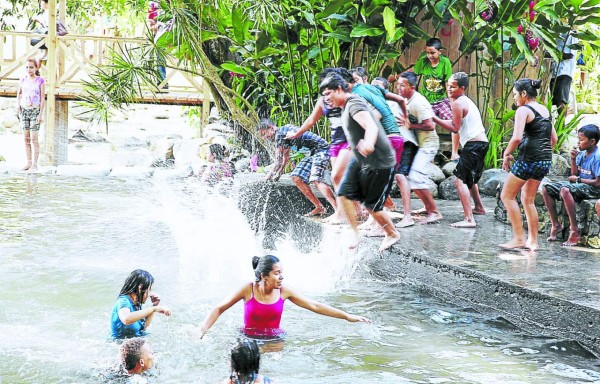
205	106
51	44
56	141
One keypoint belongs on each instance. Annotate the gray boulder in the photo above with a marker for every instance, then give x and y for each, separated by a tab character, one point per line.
447	190
242	165
490	179
560	167
448	168
435	173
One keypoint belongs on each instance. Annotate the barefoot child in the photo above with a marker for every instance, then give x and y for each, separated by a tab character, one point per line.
583	184
31	105
466	121
413	173
370	174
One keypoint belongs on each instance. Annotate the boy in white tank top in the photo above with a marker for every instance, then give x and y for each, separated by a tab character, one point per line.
466	121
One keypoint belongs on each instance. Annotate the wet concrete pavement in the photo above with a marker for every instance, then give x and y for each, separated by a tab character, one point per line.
569	273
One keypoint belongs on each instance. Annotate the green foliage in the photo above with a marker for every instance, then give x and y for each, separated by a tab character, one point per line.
496	135
587	78
564	128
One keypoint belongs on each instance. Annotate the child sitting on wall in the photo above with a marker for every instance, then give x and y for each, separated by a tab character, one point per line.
583	184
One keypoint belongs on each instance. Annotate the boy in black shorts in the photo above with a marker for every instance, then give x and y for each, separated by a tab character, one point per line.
370	174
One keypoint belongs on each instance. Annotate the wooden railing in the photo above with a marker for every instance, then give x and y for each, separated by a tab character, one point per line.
79	56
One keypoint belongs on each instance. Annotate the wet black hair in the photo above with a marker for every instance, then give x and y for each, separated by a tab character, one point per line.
326	72
138	282
245	361
131	352
384	82
411	77
345	74
528	85
217	150
434	42
462	79
591	131
361	72
265	123
334	81
263	265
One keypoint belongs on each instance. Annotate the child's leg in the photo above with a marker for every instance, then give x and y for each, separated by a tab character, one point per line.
551	207
308	193
479	208
35	150
528	193
27	138
404	187
597	206
465	200
570	207
511	187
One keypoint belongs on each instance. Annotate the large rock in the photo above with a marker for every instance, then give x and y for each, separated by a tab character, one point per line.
490	179
449	167
140	157
435	173
242	165
447	189
560	167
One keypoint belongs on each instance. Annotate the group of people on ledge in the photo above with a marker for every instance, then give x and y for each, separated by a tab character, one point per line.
263	299
379	136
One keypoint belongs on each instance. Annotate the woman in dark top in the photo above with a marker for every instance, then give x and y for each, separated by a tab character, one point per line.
535	137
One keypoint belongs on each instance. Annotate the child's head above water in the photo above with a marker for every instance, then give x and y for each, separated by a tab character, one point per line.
136	355
139	282
245	360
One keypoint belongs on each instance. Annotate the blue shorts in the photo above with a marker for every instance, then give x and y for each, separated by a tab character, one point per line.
312	168
535	170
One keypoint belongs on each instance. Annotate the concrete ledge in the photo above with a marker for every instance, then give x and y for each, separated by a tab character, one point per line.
525	308
82	170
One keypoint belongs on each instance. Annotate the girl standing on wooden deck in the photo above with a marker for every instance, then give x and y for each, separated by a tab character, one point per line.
31	105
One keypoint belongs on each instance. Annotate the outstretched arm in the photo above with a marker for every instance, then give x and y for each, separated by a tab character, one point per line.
214	314
282	156
322	309
309	122
400	100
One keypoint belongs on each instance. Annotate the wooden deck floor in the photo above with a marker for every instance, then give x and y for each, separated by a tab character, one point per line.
171	96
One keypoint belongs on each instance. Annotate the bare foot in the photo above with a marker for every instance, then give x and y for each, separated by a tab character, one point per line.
432	218
26	167
466	223
572	240
407	221
554	231
33	168
479	211
319	211
354	241
513	244
420	211
334	219
388	241
531	245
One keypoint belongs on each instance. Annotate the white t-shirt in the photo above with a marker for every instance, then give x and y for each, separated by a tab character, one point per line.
419	108
565	67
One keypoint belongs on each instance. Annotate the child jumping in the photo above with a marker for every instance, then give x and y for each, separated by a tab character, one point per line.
466	121
31	105
583	184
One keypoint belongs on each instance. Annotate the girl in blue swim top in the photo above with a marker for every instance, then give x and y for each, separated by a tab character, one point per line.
128	319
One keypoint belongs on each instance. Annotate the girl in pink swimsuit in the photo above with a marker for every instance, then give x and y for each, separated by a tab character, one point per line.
264	299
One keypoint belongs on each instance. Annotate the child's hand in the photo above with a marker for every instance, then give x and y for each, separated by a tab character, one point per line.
164	310
155	298
574	153
506	162
40	119
572	179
